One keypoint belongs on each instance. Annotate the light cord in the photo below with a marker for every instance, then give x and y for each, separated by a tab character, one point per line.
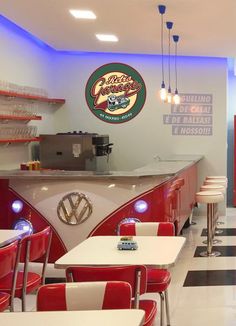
162	49
176	82
169	59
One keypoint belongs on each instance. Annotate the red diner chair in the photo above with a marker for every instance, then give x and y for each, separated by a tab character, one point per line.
84	296
158	280
135	275
32	248
9	257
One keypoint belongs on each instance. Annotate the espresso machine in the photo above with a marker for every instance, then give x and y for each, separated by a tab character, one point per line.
75	151
101	150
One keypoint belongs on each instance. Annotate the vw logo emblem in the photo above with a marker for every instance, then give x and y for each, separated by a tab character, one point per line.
74	208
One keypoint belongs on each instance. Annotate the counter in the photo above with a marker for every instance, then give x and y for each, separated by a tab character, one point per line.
79	204
167	167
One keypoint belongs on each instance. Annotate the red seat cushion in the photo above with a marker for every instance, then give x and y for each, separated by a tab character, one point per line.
158	280
150	308
33	282
4	301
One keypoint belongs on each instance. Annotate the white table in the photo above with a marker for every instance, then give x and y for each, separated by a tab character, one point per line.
8	236
156	251
131	317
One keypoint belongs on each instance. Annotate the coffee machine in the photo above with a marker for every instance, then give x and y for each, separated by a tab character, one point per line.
75	151
101	150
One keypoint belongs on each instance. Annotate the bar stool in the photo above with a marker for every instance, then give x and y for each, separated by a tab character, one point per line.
176	187
213	187
222	182
210	198
217	180
216	177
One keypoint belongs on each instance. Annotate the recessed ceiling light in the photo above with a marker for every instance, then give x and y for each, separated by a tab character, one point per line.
82	14
107	37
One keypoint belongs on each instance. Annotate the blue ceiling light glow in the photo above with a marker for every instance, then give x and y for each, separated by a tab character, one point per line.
141	206
22	32
23	225
127	220
17	206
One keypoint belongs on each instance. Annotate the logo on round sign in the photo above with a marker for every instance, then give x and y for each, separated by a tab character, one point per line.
115	93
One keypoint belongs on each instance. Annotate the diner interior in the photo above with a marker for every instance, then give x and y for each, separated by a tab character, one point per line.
117	170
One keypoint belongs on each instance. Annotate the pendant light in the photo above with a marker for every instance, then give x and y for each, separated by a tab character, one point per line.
176	97
163	93
169	26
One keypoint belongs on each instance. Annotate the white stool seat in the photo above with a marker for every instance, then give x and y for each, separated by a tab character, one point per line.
209	197
213	187
215	177
221	182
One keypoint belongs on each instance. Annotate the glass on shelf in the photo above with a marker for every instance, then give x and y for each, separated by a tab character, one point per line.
20	108
11	87
4	86
18	132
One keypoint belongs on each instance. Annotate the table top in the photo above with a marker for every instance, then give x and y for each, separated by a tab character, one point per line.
155	251
131	317
7	236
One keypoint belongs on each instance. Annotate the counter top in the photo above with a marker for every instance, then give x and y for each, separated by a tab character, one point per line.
163	168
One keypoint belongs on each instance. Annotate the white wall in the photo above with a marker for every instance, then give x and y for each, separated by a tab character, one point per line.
137	141
24	63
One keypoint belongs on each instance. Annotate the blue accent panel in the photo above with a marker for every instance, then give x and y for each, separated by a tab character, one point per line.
169	25
23	33
161	9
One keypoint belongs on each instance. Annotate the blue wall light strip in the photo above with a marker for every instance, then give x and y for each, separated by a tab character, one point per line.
23	33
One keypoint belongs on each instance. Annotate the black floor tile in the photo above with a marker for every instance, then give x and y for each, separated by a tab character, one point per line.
226	232
49	280
226	251
210	278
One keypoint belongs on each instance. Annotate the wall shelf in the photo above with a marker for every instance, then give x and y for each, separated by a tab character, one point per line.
32	97
20	140
23	118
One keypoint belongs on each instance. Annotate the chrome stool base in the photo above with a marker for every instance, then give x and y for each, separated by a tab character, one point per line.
212	254
214	241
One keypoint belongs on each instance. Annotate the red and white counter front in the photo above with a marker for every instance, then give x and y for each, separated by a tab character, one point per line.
96	203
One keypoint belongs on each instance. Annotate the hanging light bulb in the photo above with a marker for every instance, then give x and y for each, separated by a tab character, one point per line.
176	96
169	26
163	93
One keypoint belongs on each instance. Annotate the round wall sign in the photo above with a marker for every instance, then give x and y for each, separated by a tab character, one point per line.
115	93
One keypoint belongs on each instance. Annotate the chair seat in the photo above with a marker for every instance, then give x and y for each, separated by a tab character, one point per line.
150	308
158	280
4	301
33	282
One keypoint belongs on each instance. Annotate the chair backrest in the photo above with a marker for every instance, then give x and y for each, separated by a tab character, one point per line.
84	296
148	229
135	275
36	245
8	257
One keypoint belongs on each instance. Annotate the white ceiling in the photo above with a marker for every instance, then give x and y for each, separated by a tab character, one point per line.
206	27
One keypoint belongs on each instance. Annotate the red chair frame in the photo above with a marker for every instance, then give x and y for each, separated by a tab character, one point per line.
77	296
158	280
135	275
9	259
31	248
